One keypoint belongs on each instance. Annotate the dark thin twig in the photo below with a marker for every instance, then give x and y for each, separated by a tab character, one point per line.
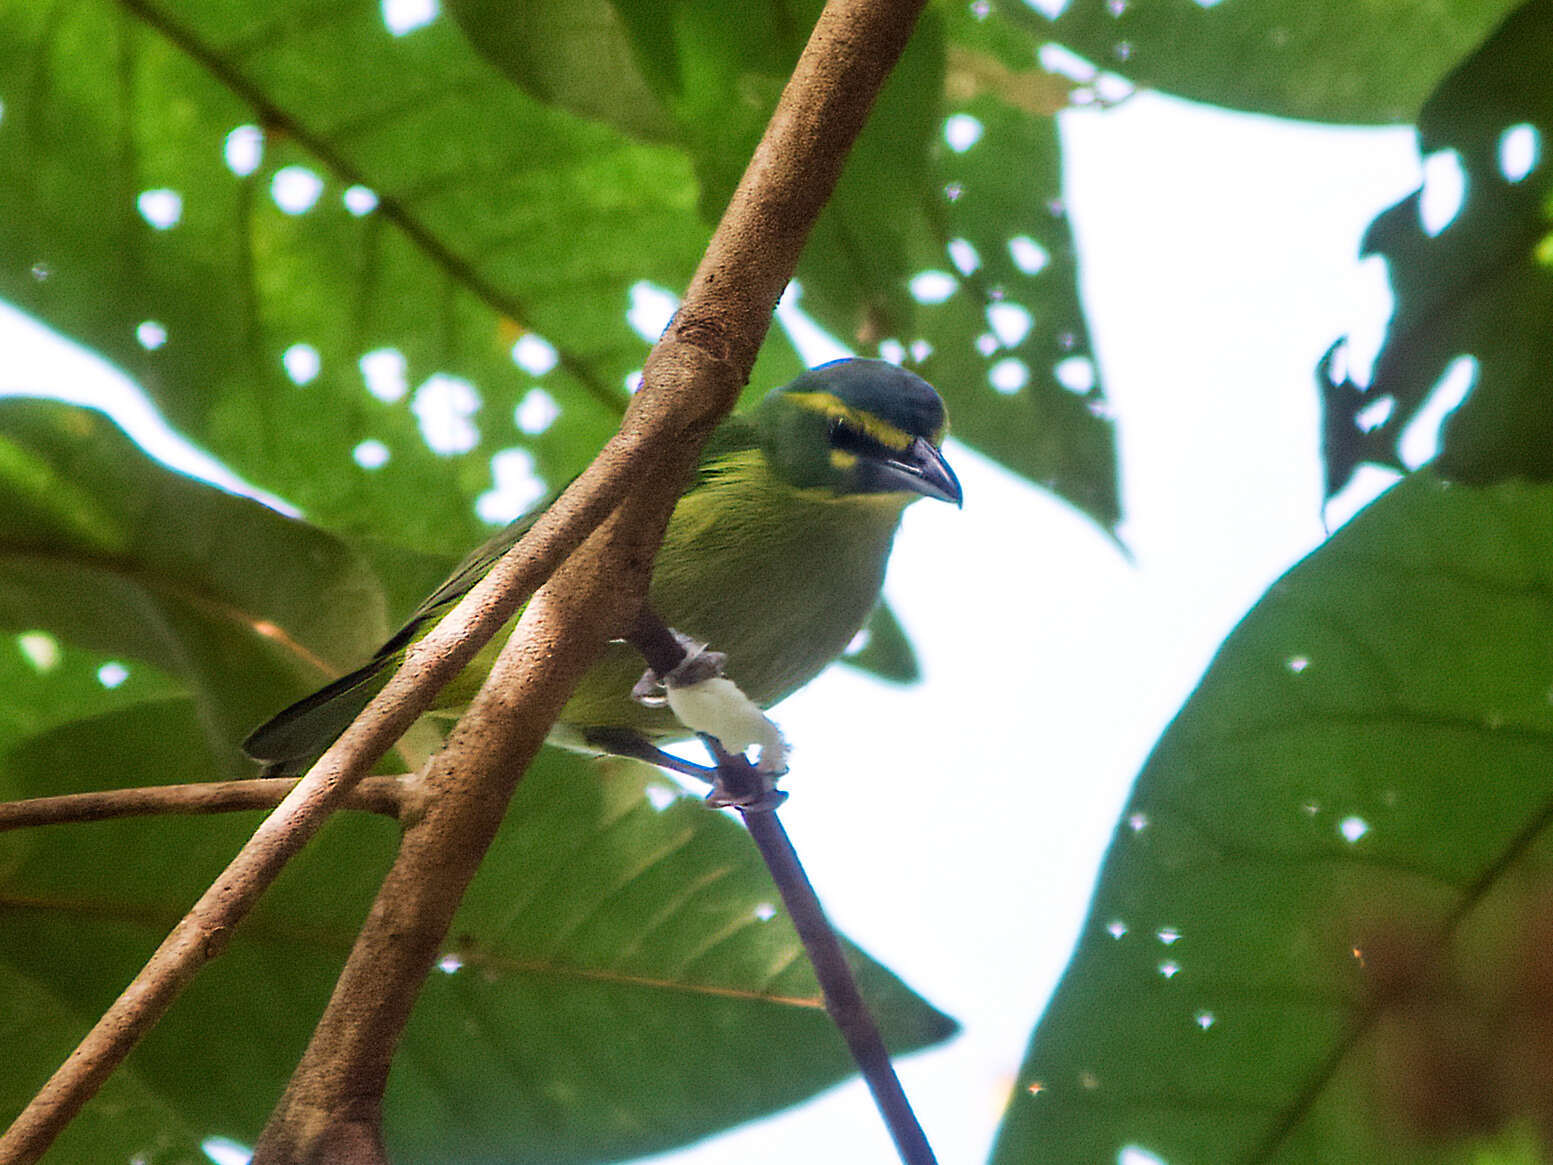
843	1002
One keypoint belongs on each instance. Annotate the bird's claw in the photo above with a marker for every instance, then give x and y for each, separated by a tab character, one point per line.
738	784
706	701
700	663
769	799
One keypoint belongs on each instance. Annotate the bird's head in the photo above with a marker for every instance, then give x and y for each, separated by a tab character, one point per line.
858	427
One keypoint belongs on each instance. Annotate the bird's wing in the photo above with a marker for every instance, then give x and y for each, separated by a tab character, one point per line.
291	739
301	732
735	435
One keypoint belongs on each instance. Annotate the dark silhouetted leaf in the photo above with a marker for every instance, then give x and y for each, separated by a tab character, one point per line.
1327	61
1480	286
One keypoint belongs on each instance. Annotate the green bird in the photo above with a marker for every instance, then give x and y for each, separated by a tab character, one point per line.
774	556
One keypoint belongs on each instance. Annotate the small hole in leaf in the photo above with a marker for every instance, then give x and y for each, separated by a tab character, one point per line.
244	150
370	454
443	406
933	286
1076	374
385	371
1010	322
963	255
534	354
302	363
1028	255
1519	147
1353	828
517	487
536	412
359	200
296	189
1009	376
404	16
961	132
161	208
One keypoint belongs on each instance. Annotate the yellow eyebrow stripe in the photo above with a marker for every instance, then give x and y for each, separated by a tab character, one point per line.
830	405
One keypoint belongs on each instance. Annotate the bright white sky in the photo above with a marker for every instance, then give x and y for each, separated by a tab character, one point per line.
954	828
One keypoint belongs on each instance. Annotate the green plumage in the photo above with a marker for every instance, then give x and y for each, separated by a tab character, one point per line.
774	556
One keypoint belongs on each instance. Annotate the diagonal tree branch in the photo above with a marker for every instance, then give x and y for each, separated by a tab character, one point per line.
332	1108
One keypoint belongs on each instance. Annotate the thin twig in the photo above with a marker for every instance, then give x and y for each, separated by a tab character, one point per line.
385	795
843	1001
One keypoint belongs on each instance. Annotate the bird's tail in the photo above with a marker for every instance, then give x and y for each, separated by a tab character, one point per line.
288	742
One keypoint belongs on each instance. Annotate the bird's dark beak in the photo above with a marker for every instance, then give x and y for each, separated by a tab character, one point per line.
921	469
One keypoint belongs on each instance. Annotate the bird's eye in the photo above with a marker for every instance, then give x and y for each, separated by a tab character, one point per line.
848	437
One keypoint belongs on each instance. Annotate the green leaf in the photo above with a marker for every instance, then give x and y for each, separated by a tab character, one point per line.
523	200
127	1122
887	651
1332	876
1327	60
495	216
616	983
1482	286
109	551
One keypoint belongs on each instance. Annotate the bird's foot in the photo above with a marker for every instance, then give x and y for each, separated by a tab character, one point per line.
711	705
738	784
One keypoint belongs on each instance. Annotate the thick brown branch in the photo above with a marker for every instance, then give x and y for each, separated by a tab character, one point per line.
385	795
331	1109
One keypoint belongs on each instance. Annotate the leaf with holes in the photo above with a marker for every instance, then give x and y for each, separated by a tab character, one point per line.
1322	929
1327	61
104	549
340	253
617	952
342	240
1473	278
909	203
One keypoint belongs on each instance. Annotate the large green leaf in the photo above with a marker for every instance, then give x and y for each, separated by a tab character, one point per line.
111	552
529	197
1480	285
618	981
906	204
1320	905
1327	60
493	215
